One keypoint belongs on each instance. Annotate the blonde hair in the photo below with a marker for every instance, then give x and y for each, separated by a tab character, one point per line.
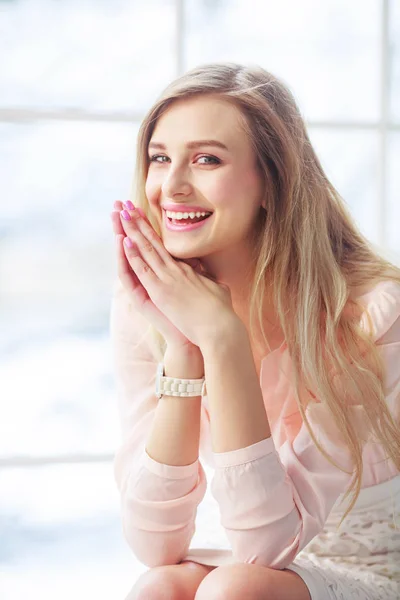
311	249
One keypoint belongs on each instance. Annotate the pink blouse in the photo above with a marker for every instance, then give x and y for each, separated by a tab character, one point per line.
275	495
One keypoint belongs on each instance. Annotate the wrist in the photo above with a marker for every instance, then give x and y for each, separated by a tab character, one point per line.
183	362
229	333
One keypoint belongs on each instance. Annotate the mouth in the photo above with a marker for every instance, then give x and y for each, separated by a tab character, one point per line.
185	224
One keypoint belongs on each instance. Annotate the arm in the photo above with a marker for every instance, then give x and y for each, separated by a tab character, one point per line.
175	432
159	476
273	503
250	485
230	373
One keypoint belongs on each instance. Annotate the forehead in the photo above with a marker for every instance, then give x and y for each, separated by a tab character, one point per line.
201	117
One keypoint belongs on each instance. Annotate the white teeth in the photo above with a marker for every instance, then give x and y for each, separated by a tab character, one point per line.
185	215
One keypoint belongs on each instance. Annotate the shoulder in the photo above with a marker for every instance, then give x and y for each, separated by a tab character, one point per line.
381	307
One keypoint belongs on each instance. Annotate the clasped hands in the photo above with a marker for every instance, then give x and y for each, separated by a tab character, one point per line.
175	296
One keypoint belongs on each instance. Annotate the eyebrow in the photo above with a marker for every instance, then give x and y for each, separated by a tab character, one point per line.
191	145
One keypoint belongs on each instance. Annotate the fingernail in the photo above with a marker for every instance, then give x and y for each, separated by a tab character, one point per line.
125	215
128	242
128	204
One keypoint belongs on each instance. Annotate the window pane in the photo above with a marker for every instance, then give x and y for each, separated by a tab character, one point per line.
394	29
61	535
328	52
58	396
393	214
58	261
85	54
60	181
350	160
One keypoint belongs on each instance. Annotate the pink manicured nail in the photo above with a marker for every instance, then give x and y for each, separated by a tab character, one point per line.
129	205
128	242
125	215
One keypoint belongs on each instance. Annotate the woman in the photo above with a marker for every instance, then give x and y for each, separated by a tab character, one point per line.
279	303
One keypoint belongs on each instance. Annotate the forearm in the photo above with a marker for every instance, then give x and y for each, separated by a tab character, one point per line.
237	413
175	434
159	491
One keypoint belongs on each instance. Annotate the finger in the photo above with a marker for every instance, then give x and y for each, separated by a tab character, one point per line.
196	265
140	266
116	223
127	276
133	285
140	298
115	218
192	262
150	244
131	282
119	206
125	267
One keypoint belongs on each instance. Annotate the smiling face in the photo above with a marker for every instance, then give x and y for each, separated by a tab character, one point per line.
225	181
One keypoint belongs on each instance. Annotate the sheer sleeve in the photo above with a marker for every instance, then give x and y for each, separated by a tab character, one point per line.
275	496
158	502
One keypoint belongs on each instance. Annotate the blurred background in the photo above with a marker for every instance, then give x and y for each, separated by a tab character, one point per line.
76	78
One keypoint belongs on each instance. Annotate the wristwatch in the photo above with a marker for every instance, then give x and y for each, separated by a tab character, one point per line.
172	386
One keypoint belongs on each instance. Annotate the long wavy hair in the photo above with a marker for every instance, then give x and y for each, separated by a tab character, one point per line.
311	250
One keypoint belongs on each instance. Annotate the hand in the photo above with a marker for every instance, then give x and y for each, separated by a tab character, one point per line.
194	303
172	335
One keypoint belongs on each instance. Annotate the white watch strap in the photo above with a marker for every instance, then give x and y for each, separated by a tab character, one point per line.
173	386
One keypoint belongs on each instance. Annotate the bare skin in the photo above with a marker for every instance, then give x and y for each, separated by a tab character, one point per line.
192	581
228	184
170	582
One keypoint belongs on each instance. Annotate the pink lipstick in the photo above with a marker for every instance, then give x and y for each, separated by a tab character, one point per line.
183	226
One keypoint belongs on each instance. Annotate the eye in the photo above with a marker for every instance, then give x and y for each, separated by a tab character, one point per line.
154	157
215	161
213	158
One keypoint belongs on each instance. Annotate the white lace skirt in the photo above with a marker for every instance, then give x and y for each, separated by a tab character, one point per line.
361	559
358	561
330	581
325	579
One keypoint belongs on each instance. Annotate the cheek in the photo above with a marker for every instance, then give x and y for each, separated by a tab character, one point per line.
231	189
152	189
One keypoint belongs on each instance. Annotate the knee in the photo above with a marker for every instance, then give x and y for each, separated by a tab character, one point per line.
218	585
158	583
228	581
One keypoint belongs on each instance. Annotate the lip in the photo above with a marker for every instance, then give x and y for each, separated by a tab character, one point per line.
184	208
180	228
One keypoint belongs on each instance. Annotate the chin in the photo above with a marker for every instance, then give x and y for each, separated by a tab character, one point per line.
182	255
184	250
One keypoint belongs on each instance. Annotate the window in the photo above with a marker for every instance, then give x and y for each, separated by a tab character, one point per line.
76	78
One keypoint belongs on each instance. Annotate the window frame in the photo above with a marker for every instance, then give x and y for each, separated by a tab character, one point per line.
383	127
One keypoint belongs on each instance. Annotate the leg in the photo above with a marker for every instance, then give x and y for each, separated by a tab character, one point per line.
253	582
170	582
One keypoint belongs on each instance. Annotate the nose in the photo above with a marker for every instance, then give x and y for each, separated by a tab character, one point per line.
176	184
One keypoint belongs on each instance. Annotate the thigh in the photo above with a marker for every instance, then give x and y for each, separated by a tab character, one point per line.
172	582
253	582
